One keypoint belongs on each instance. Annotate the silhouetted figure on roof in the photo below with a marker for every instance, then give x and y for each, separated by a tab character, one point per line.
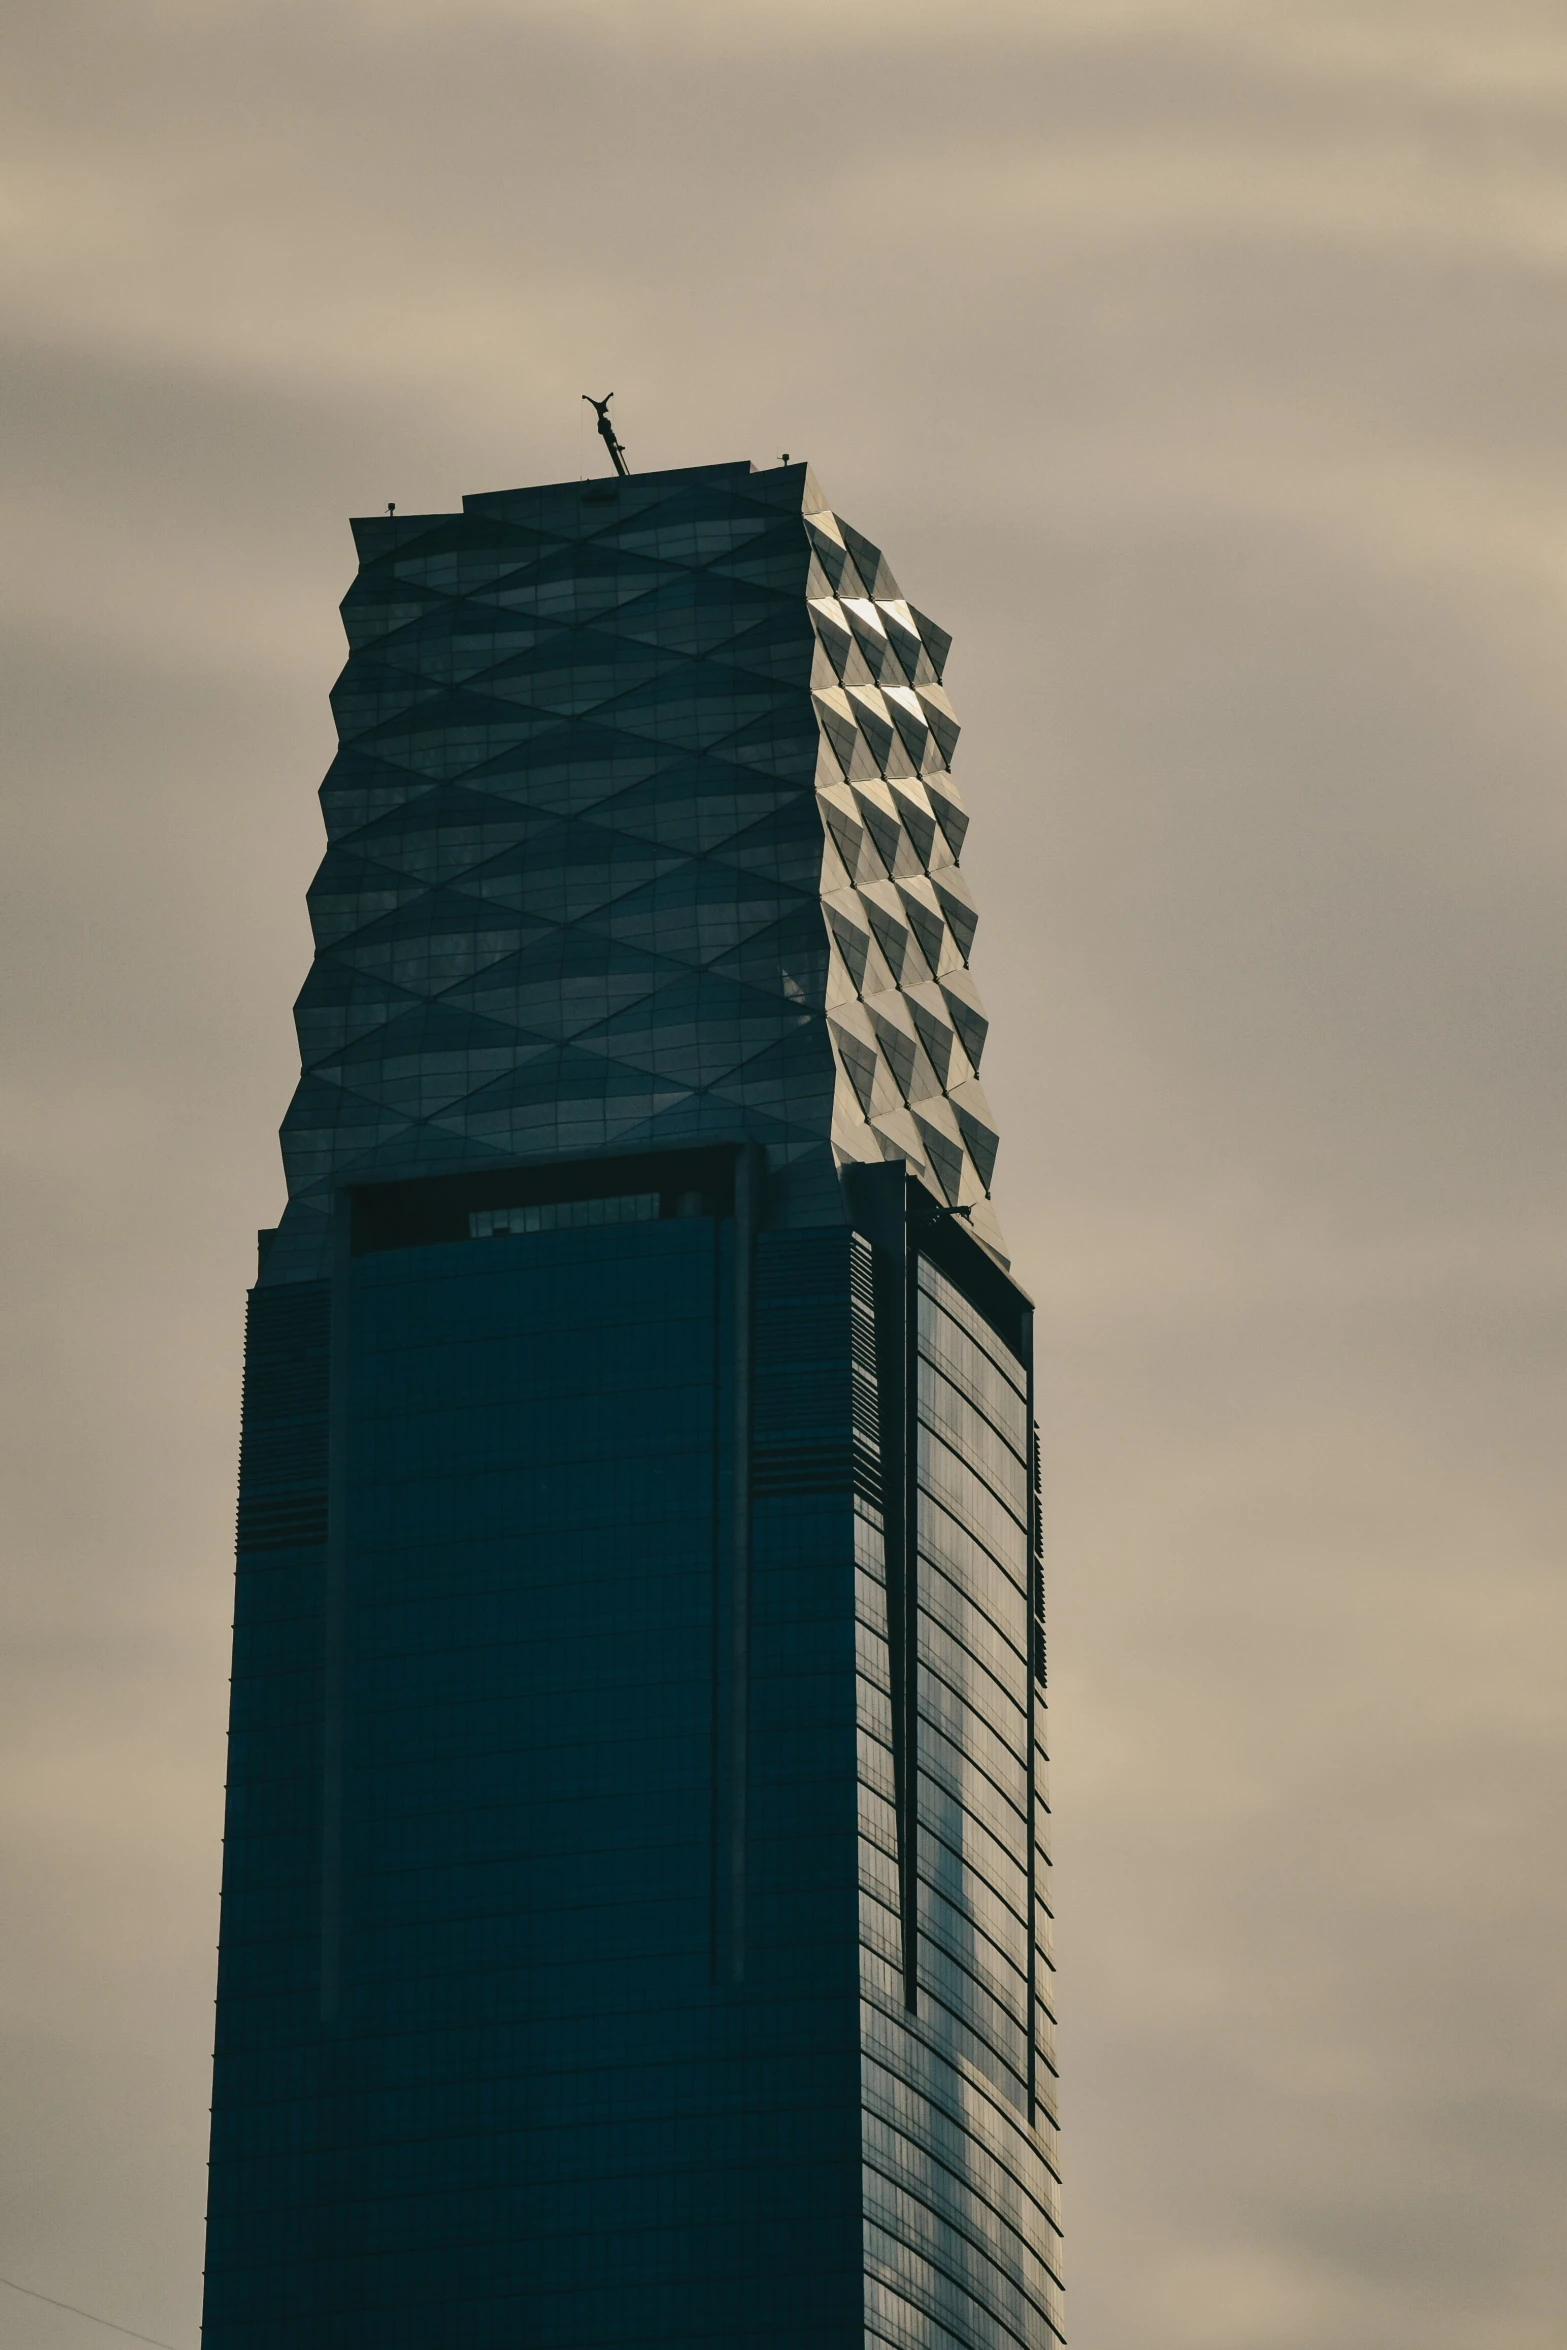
607	432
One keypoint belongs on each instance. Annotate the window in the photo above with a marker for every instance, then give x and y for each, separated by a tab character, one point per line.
630	1207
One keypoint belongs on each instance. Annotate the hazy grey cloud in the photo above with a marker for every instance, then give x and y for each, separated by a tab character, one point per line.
1201	364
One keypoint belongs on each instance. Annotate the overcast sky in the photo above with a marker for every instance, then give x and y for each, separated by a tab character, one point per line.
1202	365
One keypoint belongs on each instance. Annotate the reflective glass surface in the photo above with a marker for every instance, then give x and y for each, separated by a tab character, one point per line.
476	2080
962	2241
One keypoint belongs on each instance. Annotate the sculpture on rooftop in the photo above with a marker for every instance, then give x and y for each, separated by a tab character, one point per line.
607	432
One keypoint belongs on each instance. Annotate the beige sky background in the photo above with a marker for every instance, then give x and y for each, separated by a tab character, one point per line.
1203	367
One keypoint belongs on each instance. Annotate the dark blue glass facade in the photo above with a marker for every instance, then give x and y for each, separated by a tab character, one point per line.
636	1907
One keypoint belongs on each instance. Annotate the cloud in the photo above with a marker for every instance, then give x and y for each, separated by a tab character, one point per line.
1201	364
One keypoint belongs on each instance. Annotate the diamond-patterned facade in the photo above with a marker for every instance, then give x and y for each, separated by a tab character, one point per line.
641	832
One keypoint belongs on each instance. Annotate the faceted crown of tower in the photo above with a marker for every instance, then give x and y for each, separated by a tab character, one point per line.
641	832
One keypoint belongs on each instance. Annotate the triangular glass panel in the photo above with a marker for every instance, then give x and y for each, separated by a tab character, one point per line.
880	820
968	1017
937	643
915	816
870	562
945	1160
953	897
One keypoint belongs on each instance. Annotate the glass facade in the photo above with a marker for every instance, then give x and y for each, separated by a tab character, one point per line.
636	1882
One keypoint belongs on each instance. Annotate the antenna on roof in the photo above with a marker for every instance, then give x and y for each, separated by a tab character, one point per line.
607	432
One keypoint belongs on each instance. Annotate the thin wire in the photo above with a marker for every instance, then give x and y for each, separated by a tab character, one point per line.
87	2313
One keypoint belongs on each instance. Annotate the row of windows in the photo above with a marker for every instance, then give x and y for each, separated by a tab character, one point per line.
954	2304
799	1664
891	2320
513	985
950	1662
871	1653
792	2005
392	1990
412	1882
699	937
879	1889
655	1780
970	1985
505	1667
264	2019
898	2049
428	1438
949	1932
396	1610
404	2198
633	564
968	2133
795	1880
422	856
994	1634
283	1594
456	2121
529	1503
953	2201
976	1370
617	1282
936	2064
965	1495
590	770
386	1684
389	1965
452	2321
985	1686
449	1841
944	2023
964	1913
946	1761
685	691
509	1561
617	600
577	771
954	1990
755	2060
973	1364
953	1840
946	1710
474	2294
878	1822
874	1755
951	1301
275	1735
609	595
441	1294
947	1409
1000	1587
505	1936
692	1048
457	730
470	1725
388	1639
272	1670
881	1934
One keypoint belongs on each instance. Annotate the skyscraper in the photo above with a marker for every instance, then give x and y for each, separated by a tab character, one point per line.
636	1892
